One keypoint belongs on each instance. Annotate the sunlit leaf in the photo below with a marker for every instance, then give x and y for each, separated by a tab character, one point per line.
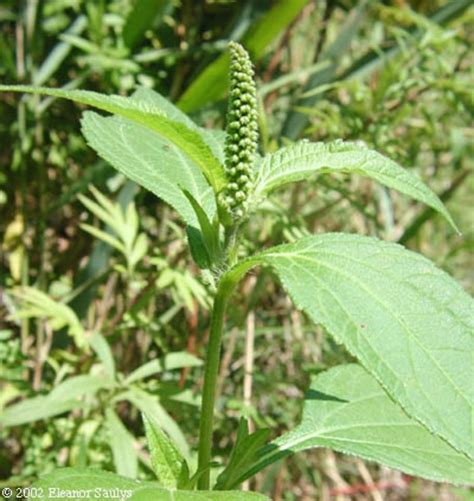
347	410
106	485
409	323
301	160
151	117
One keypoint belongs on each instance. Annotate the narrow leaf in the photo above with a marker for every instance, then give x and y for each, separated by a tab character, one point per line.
78	386
198	248
103	213
243	454
35	409
121	443
104	237
209	232
100	345
168	464
171	361
150	406
37	304
59	53
64	398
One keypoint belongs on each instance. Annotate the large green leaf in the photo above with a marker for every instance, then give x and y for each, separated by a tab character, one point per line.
175	133
408	322
164	170
214	138
155	99
301	160
150	161
72	483
346	409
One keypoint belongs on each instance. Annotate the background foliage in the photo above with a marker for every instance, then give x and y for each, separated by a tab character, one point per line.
95	278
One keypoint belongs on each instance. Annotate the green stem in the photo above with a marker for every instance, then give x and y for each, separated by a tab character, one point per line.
226	286
210	382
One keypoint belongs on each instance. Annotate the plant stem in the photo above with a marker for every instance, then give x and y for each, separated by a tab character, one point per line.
210	383
226	286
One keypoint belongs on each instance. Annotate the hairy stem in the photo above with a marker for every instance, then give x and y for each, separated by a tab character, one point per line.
226	286
210	383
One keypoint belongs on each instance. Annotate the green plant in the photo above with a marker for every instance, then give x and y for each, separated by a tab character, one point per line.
407	322
101	391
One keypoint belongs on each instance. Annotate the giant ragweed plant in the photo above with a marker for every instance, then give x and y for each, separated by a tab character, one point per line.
407	403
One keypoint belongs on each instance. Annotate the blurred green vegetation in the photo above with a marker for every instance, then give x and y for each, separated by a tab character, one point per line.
95	278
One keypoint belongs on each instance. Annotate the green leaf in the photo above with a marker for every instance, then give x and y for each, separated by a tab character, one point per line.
169	362
209	233
79	386
122	445
198	248
82	479
155	99
65	397
150	161
187	140
297	162
58	54
37	304
108	212
409	323
100	345
139	250
105	485
34	409
150	406
168	464
140	19
346	409
104	237
243	454
173	495
212	82
214	138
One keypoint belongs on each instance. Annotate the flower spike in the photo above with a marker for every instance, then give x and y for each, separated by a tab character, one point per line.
241	133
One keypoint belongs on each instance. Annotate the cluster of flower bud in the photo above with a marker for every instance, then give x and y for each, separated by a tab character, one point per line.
241	132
